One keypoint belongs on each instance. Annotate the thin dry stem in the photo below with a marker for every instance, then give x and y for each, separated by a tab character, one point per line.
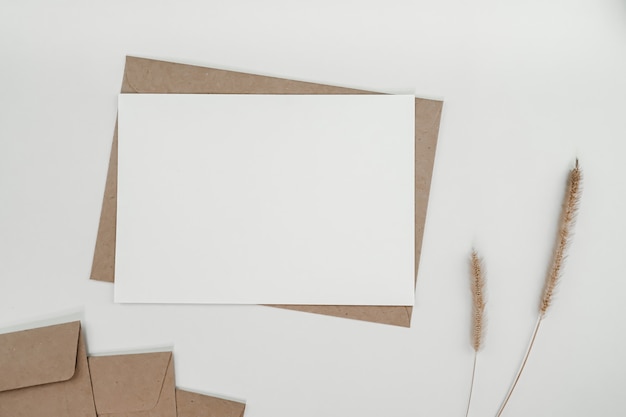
568	219
523	365
469	400
478	301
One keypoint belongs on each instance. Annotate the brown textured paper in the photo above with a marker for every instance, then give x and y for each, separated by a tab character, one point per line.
151	76
136	385
191	404
44	372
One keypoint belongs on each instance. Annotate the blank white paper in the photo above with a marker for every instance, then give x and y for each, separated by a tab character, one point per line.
265	199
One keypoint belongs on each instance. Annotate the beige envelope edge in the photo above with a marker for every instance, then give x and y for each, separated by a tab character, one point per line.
44	372
191	404
140	384
152	76
136	384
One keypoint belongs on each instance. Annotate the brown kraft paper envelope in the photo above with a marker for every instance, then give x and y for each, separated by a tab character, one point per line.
44	372
191	404
151	76
136	385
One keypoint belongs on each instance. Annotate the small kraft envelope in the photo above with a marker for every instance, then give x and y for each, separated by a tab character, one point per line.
135	385
191	404
152	76
44	372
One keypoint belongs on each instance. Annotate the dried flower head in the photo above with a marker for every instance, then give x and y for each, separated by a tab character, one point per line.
568	219
478	300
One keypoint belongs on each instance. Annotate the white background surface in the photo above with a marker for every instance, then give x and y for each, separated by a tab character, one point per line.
527	87
265	199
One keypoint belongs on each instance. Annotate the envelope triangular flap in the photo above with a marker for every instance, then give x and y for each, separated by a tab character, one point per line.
191	404
128	383
38	356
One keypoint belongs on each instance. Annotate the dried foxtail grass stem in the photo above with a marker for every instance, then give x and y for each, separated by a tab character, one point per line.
478	312
478	301
568	219
564	237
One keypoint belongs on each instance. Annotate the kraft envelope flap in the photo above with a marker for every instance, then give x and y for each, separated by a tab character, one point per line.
38	356
130	383
44	372
152	76
191	404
